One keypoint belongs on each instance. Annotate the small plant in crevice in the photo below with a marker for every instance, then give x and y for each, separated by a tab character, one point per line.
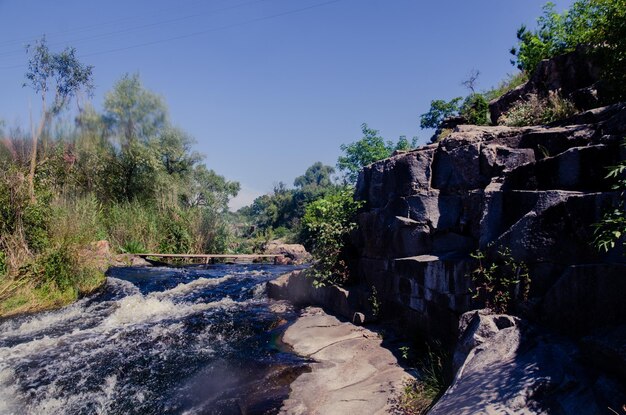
420	394
374	302
501	282
610	231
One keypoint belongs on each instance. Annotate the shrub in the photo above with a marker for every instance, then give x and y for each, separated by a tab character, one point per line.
610	231
439	110
475	109
328	222
535	110
502	283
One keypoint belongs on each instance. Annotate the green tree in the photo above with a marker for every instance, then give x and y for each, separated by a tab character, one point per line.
60	74
317	175
136	117
598	24
439	110
328	222
372	147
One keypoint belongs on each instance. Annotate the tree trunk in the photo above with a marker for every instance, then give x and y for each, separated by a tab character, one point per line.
33	154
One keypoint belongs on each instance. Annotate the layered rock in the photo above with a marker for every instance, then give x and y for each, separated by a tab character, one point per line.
536	190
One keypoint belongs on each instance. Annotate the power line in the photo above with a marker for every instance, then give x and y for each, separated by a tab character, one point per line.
202	32
198	33
87	28
136	28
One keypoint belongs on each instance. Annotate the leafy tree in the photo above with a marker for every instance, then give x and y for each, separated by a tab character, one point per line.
439	110
59	73
317	175
599	24
134	112
137	117
328	222
475	109
370	148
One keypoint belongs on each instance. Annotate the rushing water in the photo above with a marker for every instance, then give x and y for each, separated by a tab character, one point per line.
154	341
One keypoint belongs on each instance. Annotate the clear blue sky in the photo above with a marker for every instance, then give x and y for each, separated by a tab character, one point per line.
268	87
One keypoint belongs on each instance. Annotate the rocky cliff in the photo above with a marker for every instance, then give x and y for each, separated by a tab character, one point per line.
537	190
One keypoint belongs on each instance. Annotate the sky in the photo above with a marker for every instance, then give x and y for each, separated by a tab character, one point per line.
269	87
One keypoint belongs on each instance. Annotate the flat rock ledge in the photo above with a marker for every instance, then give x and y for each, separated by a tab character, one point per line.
351	372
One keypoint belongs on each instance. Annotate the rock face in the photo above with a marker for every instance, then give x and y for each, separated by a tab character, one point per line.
350	374
574	75
536	190
507	367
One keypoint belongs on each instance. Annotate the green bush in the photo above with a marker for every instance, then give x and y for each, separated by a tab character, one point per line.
175	231
598	24
535	111
3	263
439	110
475	109
328	222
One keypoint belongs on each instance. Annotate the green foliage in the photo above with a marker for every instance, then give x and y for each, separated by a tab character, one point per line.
501	283
318	175
3	263
370	148
475	109
61	73
610	231
374	302
439	110
328	222
419	395
598	24
535	110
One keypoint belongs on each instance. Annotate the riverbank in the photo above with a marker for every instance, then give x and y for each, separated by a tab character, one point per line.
351	373
20	295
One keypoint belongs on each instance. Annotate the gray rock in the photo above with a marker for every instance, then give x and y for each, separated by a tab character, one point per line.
506	366
587	297
351	373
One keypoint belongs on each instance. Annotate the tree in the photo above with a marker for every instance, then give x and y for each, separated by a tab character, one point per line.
137	117
134	112
318	175
60	73
359	154
439	110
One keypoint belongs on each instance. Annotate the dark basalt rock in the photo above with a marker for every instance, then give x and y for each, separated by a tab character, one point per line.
536	190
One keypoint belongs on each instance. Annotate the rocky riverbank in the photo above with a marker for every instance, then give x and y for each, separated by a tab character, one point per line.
351	373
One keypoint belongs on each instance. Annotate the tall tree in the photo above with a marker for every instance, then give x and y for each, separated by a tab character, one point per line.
137	117
60	74
317	175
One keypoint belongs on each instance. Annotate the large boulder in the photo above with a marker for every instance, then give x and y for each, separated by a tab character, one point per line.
506	366
293	253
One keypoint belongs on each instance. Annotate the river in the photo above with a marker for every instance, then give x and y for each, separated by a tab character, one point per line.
190	340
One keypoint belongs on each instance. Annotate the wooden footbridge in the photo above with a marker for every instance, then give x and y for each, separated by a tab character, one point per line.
213	258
